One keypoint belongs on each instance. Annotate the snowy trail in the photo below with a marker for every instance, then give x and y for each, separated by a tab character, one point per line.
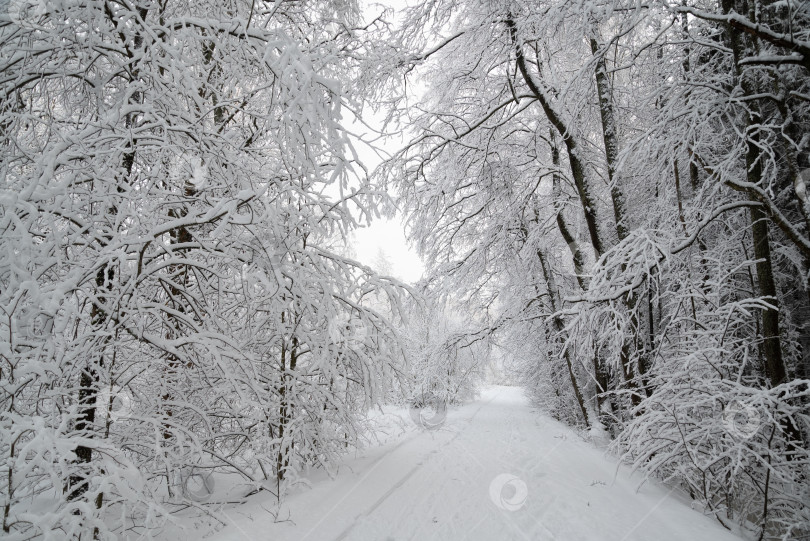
496	470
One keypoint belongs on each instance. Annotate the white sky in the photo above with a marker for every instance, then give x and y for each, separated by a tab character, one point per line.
383	235
388	236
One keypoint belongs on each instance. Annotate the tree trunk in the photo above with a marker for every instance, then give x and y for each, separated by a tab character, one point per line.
577	166
774	365
771	347
554	296
577	255
610	137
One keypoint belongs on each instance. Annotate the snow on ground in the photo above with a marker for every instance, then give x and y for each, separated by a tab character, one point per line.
496	470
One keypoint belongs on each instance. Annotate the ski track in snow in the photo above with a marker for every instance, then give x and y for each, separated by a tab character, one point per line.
436	485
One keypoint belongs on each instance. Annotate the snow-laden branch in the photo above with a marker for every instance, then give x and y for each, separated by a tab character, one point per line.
744	24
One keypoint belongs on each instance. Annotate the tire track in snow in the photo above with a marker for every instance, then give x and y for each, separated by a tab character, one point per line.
401	482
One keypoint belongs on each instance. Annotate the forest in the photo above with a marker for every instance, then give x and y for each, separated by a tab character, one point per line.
610	198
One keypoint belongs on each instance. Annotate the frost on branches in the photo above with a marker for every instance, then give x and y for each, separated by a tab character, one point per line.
167	284
611	193
619	187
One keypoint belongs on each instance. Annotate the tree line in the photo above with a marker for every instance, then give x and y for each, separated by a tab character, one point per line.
623	187
614	193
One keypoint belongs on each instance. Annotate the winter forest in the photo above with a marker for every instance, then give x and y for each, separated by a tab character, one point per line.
610	198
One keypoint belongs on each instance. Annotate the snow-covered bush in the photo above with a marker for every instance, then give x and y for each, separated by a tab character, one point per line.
444	361
174	177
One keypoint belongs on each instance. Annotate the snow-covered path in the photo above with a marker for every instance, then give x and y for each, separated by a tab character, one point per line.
496	470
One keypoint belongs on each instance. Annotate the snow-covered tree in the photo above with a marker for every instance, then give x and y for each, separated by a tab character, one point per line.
674	132
445	362
170	302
